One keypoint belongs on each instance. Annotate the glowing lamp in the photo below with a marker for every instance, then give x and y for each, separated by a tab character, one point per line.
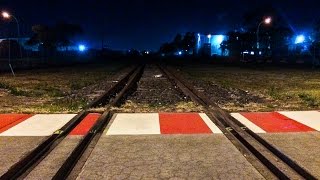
268	20
82	47
5	14
299	39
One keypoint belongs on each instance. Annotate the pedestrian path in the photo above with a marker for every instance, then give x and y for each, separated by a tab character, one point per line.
280	122
42	124
162	123
159	123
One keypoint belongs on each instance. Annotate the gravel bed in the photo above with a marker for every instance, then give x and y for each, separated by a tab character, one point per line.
155	93
231	99
154	88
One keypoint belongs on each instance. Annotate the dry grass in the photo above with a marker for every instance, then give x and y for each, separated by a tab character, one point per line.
130	106
45	91
288	89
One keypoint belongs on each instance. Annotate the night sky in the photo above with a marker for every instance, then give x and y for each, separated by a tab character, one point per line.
146	24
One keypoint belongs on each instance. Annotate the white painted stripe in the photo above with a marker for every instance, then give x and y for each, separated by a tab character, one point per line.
247	123
209	123
39	125
308	118
135	123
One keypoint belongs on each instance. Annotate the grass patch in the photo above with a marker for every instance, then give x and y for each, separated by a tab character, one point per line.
14	90
309	100
4	85
130	106
51	90
288	89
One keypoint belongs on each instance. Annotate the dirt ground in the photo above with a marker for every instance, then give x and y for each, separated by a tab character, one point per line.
57	90
265	89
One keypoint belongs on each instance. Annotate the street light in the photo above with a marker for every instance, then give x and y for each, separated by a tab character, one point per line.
6	15
209	37
265	21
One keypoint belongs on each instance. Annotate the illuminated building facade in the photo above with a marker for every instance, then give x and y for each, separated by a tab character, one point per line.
211	44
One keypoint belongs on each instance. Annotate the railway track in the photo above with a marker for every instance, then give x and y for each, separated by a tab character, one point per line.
112	96
250	144
269	161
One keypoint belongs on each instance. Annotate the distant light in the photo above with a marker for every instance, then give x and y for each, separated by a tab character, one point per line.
199	34
260	52
299	39
209	36
180	53
252	53
5	14
245	52
147	52
219	39
82	47
268	20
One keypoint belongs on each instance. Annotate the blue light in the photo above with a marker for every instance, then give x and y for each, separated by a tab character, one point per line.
82	47
299	39
180	53
219	39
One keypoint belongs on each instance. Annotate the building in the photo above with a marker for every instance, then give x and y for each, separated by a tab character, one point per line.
22	41
209	44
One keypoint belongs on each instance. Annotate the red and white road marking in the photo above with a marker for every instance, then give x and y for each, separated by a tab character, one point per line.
253	127
39	125
280	122
85	125
308	118
133	124
161	123
8	121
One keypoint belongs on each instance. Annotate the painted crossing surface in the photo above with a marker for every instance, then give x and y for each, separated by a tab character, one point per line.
42	124
85	125
161	123
8	121
280	122
39	125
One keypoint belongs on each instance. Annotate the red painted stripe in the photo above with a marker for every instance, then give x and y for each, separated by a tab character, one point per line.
7	121
85	125
182	123
275	122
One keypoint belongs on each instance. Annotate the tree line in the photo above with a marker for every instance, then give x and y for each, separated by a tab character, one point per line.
47	38
274	39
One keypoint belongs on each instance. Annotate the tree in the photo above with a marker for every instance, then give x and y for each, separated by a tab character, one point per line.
43	35
168	48
189	42
177	42
233	44
279	41
66	31
14	48
315	46
50	38
316	31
